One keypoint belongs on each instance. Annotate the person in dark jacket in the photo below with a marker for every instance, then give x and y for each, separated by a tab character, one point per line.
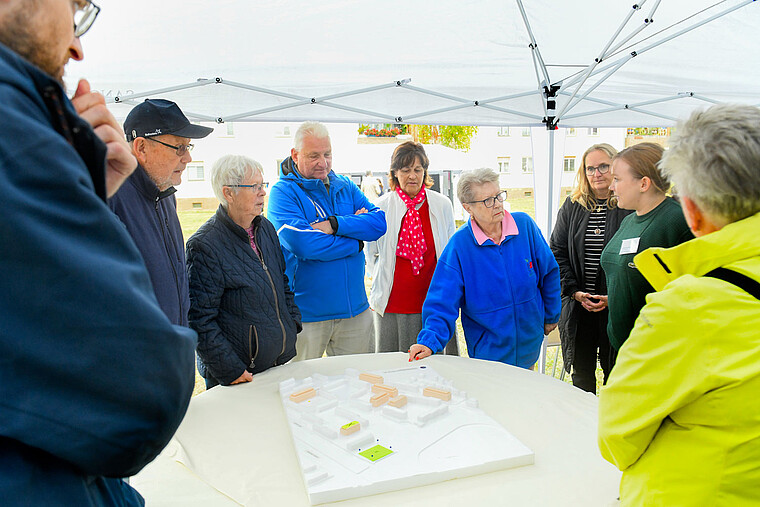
94	379
159	134
240	301
585	223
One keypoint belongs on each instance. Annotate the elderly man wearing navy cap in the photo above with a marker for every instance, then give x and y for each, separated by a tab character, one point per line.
159	135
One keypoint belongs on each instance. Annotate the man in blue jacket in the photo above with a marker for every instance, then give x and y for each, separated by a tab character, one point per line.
159	134
94	379
323	220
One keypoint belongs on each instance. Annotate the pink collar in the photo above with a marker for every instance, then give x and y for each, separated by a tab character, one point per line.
508	228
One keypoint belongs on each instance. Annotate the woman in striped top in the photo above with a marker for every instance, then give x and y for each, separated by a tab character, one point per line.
585	223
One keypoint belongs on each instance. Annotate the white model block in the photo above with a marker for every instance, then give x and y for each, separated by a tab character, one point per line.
362	406
424	400
361	440
351	373
433	414
335	385
312	418
316	478
446	440
330	433
287	385
395	413
351	416
319	379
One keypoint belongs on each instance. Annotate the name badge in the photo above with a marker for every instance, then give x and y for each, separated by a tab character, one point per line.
629	246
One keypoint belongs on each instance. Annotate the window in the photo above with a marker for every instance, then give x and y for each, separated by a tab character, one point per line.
571	132
503	163
593	131
527	164
283	132
503	131
230	128
195	171
569	164
526	132
197	205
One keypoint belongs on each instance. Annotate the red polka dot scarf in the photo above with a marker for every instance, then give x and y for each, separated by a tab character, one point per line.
411	240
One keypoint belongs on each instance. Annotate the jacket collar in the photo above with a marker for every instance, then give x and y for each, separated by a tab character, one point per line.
308	183
146	187
224	217
734	242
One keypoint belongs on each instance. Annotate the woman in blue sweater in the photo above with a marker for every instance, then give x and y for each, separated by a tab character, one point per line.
499	270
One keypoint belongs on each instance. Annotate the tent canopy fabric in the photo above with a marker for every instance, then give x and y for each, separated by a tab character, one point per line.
478	62
598	63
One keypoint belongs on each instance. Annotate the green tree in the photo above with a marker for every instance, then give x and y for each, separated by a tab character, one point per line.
458	137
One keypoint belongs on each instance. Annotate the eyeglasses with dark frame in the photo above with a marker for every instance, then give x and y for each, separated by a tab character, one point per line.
84	17
180	148
602	168
490	202
256	188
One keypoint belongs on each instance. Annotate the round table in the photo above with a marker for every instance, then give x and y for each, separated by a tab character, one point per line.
234	446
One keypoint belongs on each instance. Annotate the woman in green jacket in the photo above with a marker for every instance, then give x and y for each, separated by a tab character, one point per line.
680	414
658	221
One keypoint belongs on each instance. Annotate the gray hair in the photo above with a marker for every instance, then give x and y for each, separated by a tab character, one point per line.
714	160
475	177
232	170
309	128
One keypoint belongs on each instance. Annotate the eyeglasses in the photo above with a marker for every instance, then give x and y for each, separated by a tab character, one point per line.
602	168
489	202
256	188
181	148
84	17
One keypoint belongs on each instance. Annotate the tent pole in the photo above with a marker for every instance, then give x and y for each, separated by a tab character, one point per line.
678	34
533	43
550	201
160	91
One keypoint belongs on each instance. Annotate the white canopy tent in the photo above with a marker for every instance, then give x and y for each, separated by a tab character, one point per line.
579	63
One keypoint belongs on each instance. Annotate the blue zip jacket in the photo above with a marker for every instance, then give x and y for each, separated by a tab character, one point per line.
94	379
506	292
326	272
150	216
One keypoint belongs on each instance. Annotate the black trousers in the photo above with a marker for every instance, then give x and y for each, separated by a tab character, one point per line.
591	343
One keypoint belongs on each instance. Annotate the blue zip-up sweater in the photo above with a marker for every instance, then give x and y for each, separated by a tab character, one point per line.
94	380
326	271
506	292
150	216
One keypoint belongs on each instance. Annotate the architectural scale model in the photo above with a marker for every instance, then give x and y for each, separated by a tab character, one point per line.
364	433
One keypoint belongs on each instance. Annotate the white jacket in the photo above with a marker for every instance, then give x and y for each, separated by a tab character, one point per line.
381	254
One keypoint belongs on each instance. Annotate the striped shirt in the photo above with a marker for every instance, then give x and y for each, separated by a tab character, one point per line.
594	243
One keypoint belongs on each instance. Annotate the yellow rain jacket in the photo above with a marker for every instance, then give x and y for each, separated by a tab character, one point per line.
680	414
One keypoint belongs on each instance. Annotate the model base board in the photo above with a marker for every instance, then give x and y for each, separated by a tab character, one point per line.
352	441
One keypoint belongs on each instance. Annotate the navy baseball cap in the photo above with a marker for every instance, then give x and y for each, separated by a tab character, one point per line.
156	117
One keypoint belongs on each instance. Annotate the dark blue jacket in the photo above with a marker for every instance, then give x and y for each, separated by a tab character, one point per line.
151	219
240	303
94	379
322	264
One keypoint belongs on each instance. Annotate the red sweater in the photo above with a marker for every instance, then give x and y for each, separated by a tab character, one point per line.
408	290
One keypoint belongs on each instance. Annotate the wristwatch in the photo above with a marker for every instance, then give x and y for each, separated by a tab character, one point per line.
333	223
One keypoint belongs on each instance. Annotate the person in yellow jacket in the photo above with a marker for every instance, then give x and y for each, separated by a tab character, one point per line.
680	414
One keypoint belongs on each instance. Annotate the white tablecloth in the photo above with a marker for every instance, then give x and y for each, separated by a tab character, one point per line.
234	445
